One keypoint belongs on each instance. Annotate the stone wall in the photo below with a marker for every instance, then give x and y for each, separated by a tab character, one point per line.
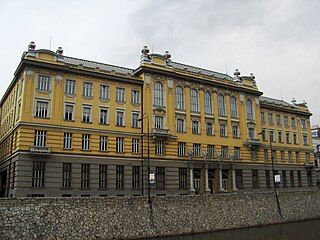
124	218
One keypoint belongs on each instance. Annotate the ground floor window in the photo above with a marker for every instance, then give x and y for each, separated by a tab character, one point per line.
239	179
85	175
160	181
119	177
255	182
182	178
268	179
38	171
135	177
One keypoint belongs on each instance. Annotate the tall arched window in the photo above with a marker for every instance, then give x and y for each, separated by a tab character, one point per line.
249	110
158	94
208	103
194	100
221	105
179	98
233	107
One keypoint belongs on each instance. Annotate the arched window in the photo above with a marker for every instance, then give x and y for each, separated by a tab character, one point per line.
233	107
158	94
249	110
194	100
208	103
179	98
221	105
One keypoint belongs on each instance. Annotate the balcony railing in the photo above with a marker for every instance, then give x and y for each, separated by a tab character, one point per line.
253	142
40	150
309	165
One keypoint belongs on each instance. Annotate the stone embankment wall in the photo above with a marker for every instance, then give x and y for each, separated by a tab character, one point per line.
129	218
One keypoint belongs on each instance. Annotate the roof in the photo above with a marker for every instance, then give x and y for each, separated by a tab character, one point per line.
275	101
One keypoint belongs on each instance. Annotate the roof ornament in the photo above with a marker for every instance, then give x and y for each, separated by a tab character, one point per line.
144	55
145	50
294	101
237	76
31	46
167	55
253	81
252	76
59	51
304	102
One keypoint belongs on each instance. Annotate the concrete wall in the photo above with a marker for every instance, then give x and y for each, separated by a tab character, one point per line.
124	217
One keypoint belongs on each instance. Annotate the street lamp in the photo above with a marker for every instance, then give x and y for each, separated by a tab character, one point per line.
273	174
146	116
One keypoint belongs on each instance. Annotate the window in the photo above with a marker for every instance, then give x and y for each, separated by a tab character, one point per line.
295	139
69	112
44	82
293	122
255	180
87	90
159	147
179	97
237	153
284	179
307	157
158	99
262	118
274	155
249	110
297	157
67	140
183	178
253	154
103	144
196	149
86	114
42	109
286	121
288	138
268	185
263	133
223	130
135	145
305	139
270	118
280	138
180	125
299	178
195	126
251	133
221	106
119	177
120	118
135	97
239	184
208	103
103	176
104	116
135	177
291	179
66	175
21	87
303	123
19	111
309	178
104	92
85	176
38	171
290	156
40	138
281	155
181	148
235	131
70	87
120	145
271	132
160	180
233	107
194	100
134	119
209	128
120	94
224	152
85	141
278	119
158	122
265	154
210	151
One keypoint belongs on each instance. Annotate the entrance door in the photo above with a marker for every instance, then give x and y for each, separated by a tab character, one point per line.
3	183
225	180
211	180
196	179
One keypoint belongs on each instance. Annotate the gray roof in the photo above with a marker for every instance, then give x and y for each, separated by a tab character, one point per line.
275	101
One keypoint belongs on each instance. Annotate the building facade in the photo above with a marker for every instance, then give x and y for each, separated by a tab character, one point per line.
72	127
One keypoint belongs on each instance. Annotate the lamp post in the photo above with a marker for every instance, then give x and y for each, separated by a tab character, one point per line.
192	191
146	116
218	154
206	177
233	168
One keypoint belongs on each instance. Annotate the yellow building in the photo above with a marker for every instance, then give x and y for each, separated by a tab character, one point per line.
73	127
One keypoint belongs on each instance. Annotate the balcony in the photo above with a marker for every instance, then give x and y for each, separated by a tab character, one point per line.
161	133
253	143
309	165
35	150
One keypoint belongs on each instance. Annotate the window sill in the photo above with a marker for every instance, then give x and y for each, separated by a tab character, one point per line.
120	102
87	122
68	149
42	117
87	97
66	120
43	91
135	104
104	99
70	95
120	126
104	124
84	150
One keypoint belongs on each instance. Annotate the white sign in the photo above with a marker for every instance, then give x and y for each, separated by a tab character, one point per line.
152	179
277	178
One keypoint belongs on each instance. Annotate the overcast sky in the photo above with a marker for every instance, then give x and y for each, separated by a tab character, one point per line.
279	41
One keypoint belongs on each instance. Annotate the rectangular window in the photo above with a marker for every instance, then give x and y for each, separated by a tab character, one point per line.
295	139
237	153
305	139
307	157
271	132
70	87
262	117
284	178
309	178
120	118
270	118
44	83
196	149
288	138
135	177
223	130
280	138
135	145
286	121
303	123
209	128
21	87
19	111
282	156
183	178
85	176
239	183
104	92
293	122
264	136
40	138
290	156
195	127
67	140
180	125
85	142
103	176
134	119
87	90
274	155
224	152
158	122
159	147
253	154
66	175
235	131
268	185
291	179
251	133
38	171
135	97
278	118
103	144
255	180
120	145
104	116
68	112
297	157
86	114
119	177
160	179
181	149
299	178
42	109
120	94
210	151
